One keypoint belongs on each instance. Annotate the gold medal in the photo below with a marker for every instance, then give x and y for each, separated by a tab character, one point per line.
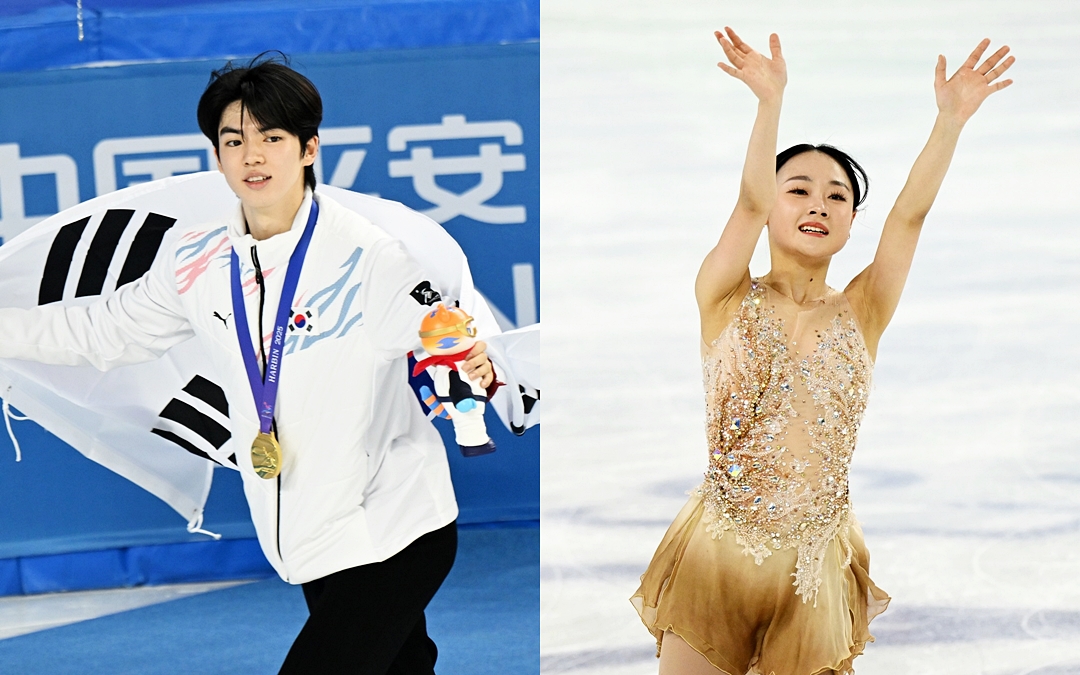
266	456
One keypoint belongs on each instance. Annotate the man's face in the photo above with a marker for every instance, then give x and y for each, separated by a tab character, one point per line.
264	167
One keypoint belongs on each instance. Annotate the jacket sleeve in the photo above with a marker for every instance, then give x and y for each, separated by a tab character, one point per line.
397	295
137	323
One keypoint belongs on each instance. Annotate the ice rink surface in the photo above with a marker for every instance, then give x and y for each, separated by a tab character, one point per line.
967	473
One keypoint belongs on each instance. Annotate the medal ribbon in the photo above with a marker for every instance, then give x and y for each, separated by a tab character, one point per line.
264	385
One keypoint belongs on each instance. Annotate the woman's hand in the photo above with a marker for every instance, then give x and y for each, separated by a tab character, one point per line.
765	77
875	292
724	276
961	95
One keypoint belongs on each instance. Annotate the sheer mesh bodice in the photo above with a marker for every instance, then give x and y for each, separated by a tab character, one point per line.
785	389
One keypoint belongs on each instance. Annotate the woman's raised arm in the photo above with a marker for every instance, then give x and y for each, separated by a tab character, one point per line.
726	267
875	292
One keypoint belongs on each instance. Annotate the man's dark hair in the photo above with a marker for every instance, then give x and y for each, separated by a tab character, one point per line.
272	93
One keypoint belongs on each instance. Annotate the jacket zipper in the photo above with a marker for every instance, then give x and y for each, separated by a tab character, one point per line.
262	353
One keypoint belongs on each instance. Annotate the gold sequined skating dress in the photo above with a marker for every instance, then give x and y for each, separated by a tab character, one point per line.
765	569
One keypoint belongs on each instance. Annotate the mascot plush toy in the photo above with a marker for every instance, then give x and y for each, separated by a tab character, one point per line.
447	334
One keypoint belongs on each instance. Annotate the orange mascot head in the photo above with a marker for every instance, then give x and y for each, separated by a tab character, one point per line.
447	331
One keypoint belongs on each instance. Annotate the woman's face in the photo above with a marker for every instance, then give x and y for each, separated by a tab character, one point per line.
814	207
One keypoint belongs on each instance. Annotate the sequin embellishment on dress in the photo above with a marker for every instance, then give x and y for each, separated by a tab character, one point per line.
781	430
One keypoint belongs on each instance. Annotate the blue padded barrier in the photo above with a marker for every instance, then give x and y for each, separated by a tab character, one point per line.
135	566
10	582
74	571
39	34
197	561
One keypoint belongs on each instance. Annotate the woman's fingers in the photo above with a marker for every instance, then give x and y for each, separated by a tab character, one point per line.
731	53
977	54
992	60
997	72
991	69
765	76
737	41
774	47
729	70
964	92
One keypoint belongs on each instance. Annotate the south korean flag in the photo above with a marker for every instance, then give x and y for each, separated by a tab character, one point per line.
165	424
302	320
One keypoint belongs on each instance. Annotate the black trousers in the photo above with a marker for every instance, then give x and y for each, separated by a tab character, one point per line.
369	620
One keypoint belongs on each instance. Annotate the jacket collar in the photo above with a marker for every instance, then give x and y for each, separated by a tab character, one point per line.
274	251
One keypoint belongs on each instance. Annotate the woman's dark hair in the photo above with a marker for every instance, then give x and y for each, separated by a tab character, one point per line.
860	183
275	95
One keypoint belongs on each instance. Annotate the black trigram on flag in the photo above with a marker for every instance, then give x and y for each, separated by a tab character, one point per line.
99	256
190	426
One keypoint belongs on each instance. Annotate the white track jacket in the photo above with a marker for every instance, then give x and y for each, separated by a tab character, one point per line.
364	473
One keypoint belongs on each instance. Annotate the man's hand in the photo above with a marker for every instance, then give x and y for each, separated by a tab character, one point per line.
477	365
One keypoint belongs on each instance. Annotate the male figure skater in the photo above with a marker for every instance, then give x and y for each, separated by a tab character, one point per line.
347	482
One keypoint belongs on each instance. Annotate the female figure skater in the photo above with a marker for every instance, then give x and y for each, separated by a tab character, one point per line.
764	571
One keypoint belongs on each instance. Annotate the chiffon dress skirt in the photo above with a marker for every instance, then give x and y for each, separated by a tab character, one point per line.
746	618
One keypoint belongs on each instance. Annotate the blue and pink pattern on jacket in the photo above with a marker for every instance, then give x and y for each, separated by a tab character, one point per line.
335	306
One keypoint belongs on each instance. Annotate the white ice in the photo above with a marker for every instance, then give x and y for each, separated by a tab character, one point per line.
22	614
967	474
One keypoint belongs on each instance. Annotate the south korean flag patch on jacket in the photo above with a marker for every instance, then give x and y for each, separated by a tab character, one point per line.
302	320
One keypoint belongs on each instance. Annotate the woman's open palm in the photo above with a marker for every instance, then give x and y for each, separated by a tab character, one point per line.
766	77
962	94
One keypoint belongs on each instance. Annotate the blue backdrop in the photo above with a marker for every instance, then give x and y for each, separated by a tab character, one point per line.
453	131
38	34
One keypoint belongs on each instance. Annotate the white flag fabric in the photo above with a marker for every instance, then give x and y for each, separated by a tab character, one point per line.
161	424
519	350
